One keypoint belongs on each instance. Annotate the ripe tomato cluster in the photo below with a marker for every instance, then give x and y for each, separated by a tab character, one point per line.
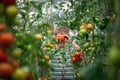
61	38
86	28
9	66
77	57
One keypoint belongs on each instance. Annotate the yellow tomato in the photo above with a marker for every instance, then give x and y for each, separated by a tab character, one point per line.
83	26
47	44
16	53
46	57
11	11
18	74
38	37
52	46
49	32
90	27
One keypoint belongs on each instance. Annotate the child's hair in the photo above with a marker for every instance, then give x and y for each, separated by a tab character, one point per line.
61	30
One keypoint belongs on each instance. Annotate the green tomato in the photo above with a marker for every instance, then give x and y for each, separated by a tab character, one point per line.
18	44
52	50
18	74
114	55
49	31
97	44
19	35
47	44
42	62
16	22
89	48
92	45
48	49
81	35
29	47
84	31
26	69
16	53
93	49
86	45
48	64
96	19
11	11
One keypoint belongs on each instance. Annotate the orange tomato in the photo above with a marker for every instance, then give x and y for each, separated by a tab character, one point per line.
15	64
46	57
83	26
60	38
77	54
6	39
5	70
28	77
2	27
90	27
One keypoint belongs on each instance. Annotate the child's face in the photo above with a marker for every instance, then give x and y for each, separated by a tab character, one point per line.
61	36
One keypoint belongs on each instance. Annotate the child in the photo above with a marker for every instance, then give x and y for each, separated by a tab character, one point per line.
62	36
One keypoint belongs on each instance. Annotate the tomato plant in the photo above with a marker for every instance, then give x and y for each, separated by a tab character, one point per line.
49	33
8	65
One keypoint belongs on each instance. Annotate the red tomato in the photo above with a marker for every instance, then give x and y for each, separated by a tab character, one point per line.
5	70
3	56
29	77
60	38
77	59
74	60
2	27
80	58
77	54
15	64
6	39
57	37
9	2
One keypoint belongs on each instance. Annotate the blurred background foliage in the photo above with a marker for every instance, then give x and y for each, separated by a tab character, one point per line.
45	16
